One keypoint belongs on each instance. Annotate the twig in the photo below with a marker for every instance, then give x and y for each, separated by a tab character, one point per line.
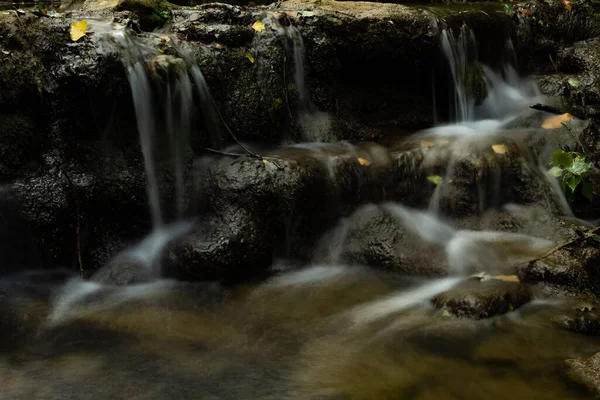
546	108
18	18
224	153
78	230
551	109
587	235
231	133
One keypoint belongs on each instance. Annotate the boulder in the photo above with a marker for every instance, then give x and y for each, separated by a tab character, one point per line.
483	299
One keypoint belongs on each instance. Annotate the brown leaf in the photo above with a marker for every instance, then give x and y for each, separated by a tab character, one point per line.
507	278
363	161
526	12
567	4
425	143
556	122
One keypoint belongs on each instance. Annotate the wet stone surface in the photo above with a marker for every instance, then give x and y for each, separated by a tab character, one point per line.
475	299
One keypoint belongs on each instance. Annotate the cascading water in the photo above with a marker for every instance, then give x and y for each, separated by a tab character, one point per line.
303	334
314	124
504	92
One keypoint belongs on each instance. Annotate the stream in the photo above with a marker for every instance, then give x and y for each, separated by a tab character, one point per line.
332	328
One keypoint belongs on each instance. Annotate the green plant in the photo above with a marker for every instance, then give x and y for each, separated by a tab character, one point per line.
573	169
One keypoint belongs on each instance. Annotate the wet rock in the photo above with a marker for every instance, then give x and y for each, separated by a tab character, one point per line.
372	237
475	177
586	372
280	205
572	266
475	299
580	319
122	271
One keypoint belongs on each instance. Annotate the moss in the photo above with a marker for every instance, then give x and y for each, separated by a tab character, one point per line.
152	13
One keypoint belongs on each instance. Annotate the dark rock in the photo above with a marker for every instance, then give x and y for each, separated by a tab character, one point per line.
475	299
256	209
573	266
580	321
372	237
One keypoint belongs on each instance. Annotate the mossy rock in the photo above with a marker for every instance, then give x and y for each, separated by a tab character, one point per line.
152	13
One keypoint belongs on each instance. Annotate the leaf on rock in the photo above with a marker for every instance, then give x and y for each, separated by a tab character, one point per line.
556	122
425	143
567	4
556	171
78	30
573	182
579	166
446	314
499	148
363	161
435	179
587	190
526	12
258	26
574	81
507	278
562	159
250	57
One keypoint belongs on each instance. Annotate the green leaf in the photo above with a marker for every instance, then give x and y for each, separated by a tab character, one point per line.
587	190
435	179
556	172
574	81
573	181
579	166
511	307
562	159
596	238
446	314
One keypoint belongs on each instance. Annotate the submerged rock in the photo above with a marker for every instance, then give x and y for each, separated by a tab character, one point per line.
475	299
586	372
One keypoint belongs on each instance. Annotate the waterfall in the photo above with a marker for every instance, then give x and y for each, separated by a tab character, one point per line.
504	92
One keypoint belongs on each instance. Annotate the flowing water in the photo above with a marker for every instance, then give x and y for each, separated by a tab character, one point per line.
323	331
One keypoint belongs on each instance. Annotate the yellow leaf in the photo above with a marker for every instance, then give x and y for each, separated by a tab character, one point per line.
435	179
78	30
265	161
425	143
250	57
499	148
363	161
556	122
258	26
507	278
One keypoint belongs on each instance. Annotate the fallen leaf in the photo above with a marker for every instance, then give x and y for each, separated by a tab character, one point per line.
291	14
425	143
250	57
219	46
265	161
435	179
78	30
499	148
526	12
567	4
556	122
573	81
258	26
507	278
363	161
